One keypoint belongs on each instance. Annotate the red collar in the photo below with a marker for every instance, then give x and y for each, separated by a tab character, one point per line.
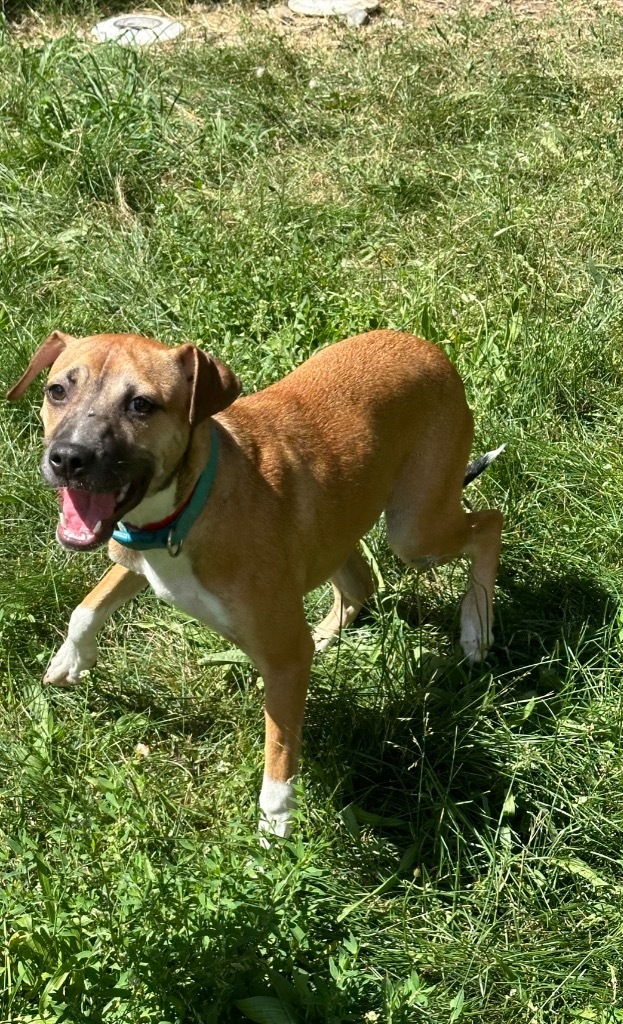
162	523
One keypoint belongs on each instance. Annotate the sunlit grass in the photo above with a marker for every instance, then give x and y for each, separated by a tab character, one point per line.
458	853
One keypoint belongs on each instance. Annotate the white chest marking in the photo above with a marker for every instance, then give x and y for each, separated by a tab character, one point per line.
173	581
154	508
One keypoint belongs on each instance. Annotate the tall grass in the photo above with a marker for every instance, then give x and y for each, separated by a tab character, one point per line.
458	853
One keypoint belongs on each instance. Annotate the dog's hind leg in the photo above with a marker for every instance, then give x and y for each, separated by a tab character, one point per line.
477	535
428	526
482	547
352	587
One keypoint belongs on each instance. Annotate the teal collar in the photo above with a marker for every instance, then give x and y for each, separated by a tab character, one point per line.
171	532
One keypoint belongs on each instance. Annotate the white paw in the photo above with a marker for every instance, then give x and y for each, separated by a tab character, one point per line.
69	662
277	801
475	645
322	641
473	649
476	631
273	829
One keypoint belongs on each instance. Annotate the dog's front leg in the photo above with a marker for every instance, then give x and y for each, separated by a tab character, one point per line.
285	688
79	652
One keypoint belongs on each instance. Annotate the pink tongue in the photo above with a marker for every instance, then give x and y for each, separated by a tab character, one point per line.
86	509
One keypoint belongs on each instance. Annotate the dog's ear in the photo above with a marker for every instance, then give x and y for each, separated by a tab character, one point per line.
47	354
213	385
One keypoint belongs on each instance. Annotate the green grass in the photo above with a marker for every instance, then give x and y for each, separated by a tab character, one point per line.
459	853
57	11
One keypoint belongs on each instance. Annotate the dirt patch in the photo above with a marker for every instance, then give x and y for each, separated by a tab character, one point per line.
226	24
228	21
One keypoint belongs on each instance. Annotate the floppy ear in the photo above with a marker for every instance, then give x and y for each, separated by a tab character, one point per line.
47	354
214	385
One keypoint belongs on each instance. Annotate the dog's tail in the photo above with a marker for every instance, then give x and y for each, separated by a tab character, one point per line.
479	465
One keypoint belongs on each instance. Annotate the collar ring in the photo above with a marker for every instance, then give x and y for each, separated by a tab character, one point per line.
173	549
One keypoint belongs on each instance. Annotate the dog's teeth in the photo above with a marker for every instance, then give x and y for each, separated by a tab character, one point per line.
97	527
122	493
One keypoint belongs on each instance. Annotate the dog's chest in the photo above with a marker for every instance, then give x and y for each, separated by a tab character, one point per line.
173	580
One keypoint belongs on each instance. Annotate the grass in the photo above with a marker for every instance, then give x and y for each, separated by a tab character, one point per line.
458	853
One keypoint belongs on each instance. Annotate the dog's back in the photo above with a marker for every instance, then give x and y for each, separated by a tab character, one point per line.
356	406
333	436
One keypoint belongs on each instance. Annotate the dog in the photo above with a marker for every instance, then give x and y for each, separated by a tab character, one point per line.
232	509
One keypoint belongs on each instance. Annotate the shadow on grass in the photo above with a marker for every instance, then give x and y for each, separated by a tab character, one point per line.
548	612
419	766
538	610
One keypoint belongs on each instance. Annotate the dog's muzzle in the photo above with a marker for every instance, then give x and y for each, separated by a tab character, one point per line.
95	490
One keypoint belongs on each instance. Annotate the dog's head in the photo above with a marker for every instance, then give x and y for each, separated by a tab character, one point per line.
118	414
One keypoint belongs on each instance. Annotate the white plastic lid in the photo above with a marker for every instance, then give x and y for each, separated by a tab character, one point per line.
137	29
326	8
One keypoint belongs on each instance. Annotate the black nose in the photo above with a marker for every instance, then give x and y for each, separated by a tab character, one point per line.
70	461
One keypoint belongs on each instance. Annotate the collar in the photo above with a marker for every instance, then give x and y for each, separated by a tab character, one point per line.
170	533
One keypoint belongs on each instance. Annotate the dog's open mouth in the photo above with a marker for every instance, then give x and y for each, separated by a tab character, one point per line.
88	518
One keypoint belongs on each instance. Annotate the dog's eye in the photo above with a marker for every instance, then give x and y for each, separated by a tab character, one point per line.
56	392
141	406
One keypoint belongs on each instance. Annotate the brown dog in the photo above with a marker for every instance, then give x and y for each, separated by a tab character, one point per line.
282	486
